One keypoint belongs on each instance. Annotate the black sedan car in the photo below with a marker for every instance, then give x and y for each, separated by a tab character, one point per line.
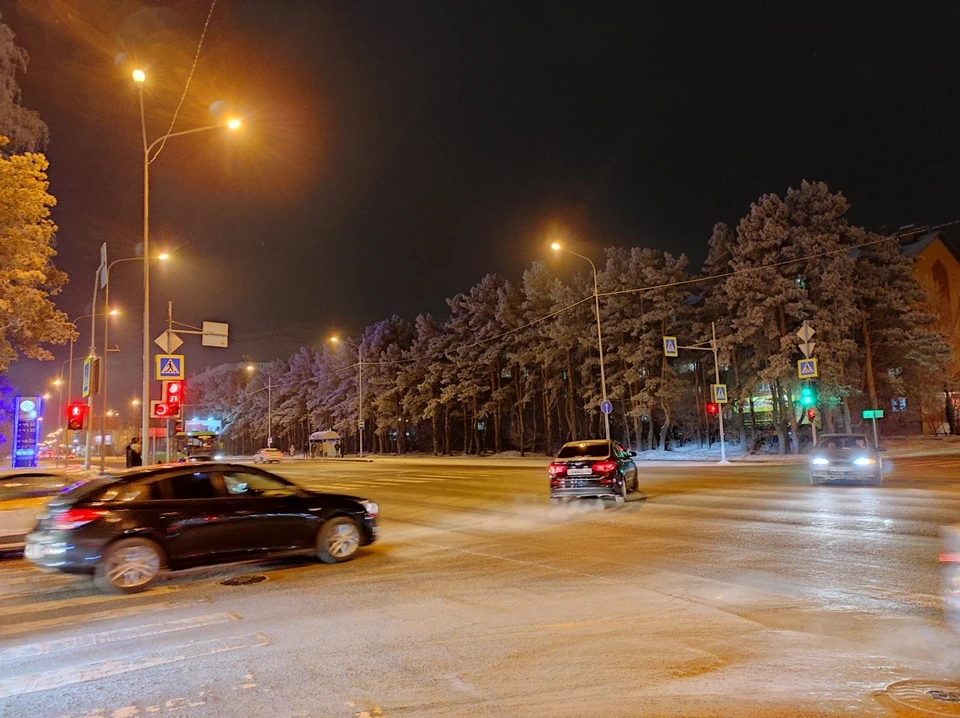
124	529
846	458
597	468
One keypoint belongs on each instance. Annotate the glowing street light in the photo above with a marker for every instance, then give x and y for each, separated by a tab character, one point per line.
360	426
557	247
140	77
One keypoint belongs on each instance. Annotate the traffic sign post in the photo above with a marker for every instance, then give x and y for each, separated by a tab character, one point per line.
874	414
808	368
606	407
719	393
170	367
670	346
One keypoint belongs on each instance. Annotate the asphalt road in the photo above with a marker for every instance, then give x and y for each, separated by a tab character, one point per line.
717	591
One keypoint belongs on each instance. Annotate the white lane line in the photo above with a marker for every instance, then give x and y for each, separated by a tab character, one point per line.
71	675
121	634
79	601
73	620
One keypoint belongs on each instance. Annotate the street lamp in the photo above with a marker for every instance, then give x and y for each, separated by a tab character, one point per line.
251	368
360	426
557	247
140	77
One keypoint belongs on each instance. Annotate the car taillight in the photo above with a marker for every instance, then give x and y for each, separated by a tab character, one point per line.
557	470
73	518
604	467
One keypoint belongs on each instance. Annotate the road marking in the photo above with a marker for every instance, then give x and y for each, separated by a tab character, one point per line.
122	634
79	601
71	675
48	623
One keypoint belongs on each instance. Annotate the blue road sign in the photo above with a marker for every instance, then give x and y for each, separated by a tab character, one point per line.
606	407
670	346
719	393
170	366
808	369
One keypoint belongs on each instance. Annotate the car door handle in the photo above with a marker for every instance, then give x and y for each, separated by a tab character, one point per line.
244	513
170	515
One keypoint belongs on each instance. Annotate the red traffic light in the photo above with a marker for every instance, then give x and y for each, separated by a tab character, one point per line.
161	410
76	413
173	393
713	409
811	414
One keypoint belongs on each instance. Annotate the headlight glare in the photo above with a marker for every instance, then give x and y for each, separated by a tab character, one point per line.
819	461
371	508
864	461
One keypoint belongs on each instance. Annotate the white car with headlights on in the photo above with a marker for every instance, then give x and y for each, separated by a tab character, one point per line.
846	458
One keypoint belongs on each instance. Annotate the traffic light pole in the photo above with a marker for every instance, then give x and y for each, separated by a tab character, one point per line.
716	369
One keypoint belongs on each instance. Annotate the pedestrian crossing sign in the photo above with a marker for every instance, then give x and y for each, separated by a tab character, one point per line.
719	393
169	367
808	368
670	346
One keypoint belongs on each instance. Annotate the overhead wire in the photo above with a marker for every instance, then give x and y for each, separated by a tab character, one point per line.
186	87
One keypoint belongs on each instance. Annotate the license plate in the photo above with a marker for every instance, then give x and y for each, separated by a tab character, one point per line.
580	472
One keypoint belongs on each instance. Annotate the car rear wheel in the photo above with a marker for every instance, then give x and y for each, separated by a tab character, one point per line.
128	566
623	491
339	540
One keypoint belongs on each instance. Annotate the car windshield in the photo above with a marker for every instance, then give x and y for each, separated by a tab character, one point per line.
843	443
583	449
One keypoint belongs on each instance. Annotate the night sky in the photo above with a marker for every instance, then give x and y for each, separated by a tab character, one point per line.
396	152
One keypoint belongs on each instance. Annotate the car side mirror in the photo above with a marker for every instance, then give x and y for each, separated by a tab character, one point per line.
633	453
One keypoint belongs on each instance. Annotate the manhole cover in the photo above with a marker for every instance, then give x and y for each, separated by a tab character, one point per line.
940	698
246	580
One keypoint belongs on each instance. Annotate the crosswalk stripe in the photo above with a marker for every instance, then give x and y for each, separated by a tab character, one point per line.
71	675
120	634
43	606
73	620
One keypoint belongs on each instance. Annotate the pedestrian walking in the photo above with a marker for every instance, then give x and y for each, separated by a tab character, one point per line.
336	449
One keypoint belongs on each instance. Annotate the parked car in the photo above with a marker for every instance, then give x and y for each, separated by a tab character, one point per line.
596	468
846	458
267	454
126	528
23	495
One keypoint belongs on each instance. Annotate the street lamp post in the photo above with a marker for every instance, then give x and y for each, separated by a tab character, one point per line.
140	77
557	247
360	426
58	382
251	368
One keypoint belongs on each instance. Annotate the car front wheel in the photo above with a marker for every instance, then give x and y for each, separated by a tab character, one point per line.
128	566
339	540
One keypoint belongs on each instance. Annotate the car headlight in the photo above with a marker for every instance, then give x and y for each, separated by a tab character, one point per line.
218	457
864	461
370	507
819	461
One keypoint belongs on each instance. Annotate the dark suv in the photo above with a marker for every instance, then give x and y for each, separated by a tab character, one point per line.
596	468
124	529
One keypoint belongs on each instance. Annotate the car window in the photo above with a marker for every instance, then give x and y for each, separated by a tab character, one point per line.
241	483
196	485
844	443
575	450
129	492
